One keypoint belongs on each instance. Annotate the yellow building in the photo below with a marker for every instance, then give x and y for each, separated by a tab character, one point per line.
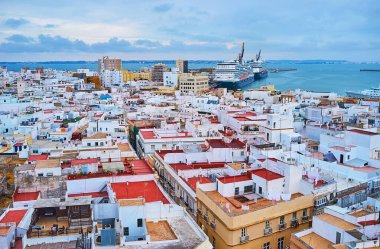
196	83
132	76
236	222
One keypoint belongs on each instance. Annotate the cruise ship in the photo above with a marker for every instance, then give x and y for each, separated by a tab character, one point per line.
372	93
257	67
236	74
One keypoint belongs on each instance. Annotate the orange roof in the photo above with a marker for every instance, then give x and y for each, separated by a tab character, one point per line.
364	132
237	178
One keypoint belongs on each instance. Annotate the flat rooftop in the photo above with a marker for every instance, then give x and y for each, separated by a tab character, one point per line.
145	189
335	221
236	206
160	231
14	216
192	182
315	241
205	165
186	236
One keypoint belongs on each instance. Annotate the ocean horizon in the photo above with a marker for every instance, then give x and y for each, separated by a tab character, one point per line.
315	75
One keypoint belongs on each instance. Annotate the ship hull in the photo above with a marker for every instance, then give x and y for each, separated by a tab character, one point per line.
235	85
261	75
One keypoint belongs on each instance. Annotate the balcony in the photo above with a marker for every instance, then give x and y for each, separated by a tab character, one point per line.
294	223
282	227
205	217
244	239
199	212
305	219
213	224
267	231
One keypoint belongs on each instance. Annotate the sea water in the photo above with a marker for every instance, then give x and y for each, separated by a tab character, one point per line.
336	76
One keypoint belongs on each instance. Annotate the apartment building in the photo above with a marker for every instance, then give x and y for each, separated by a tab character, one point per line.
182	65
195	83
244	211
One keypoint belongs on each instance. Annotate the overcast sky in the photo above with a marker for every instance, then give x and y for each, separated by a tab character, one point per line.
42	30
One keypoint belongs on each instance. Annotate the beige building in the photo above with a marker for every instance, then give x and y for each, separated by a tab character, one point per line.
235	215
196	83
182	65
108	64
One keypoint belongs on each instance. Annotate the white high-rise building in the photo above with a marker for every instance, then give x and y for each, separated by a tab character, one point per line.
111	77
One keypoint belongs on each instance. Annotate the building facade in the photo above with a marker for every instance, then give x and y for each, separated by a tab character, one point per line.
195	83
158	72
182	65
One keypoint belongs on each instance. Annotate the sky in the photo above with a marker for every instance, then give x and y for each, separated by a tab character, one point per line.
46	30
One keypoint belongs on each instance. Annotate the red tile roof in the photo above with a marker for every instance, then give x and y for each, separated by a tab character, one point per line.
84	161
237	178
14	216
33	158
192	182
92	194
27	196
147	189
266	174
18	144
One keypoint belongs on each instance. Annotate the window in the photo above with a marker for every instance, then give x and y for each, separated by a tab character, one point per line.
248	189
96	144
242	153
304	212
274	124
152	147
139	222
280	243
348	157
267	224
40	174
260	190
266	245
126	231
101	143
237	191
294	216
88	144
338	238
243	232
282	220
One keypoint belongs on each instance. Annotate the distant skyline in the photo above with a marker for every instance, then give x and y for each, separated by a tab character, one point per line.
42	30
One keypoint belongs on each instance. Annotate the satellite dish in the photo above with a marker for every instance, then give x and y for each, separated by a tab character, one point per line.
364	238
353	244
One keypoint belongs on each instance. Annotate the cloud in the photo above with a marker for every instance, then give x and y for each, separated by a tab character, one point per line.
15	23
19	39
46	43
50	26
162	8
